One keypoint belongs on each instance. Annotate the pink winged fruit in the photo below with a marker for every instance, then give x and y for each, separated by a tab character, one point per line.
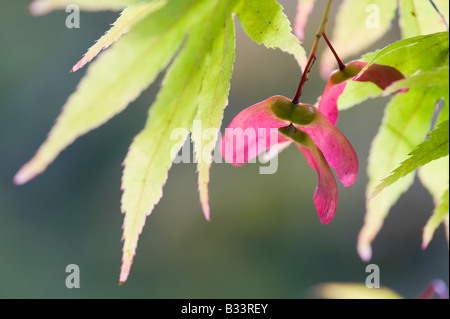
276	122
380	75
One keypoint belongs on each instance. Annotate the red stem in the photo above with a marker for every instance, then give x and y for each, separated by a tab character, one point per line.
341	65
312	55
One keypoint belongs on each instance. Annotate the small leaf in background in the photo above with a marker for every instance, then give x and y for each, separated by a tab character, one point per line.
41	7
418	17
435	176
334	290
128	18
265	23
359	23
405	124
304	9
435	147
439	215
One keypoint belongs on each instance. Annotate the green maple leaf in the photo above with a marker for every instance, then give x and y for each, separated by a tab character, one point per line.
434	176
435	147
198	35
406	122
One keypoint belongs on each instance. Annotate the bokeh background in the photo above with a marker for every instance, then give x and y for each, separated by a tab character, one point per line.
265	239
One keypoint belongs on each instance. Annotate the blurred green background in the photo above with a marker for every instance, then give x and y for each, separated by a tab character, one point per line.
265	239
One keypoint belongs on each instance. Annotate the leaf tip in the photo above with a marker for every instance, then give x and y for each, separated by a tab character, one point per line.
372	195
364	251
425	244
38	8
426	239
377	190
205	208
205	205
124	271
24	175
77	66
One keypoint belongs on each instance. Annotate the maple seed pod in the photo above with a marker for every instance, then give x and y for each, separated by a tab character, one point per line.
282	108
301	114
351	69
297	135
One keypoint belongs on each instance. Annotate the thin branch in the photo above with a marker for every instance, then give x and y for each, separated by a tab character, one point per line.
312	54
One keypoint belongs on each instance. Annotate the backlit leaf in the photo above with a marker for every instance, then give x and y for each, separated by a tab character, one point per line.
405	124
213	97
435	147
304	8
128	18
151	154
434	176
264	22
439	215
113	81
418	17
437	77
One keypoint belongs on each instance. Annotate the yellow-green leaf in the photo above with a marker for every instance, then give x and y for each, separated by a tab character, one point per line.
264	22
213	97
113	81
419	17
433	148
405	125
151	154
128	18
434	176
437	77
439	215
